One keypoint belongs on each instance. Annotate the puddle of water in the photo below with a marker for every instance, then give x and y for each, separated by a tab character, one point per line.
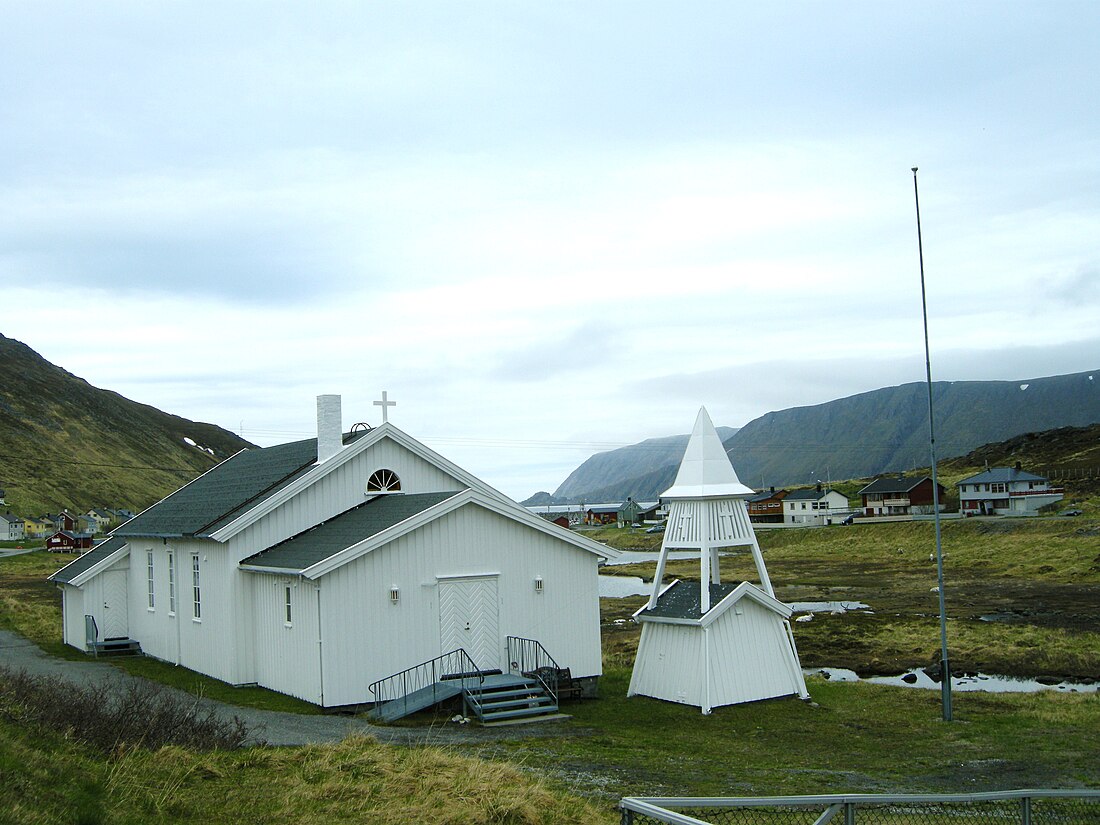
980	682
635	556
827	607
618	587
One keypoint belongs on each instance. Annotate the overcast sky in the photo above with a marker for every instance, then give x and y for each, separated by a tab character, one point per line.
545	228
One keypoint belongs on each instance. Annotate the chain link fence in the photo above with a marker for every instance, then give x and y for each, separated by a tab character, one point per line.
1031	807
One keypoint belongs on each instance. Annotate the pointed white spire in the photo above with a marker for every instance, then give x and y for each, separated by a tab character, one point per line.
706	471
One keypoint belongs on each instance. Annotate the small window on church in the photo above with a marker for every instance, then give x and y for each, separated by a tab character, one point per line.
383	481
288	621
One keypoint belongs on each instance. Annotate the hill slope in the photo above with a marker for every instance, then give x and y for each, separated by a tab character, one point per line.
65	443
885	430
607	471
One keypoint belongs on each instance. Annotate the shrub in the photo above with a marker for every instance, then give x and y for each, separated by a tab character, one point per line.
107	717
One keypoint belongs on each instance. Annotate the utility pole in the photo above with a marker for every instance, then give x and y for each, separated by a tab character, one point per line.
945	666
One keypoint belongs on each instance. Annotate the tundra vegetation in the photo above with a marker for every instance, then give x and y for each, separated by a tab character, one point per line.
1038	579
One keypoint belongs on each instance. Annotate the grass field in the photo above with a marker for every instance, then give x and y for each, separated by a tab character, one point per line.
1021	594
850	738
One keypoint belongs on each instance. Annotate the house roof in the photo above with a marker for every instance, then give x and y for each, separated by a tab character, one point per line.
808	495
197	508
681	601
83	564
351	527
1000	475
893	484
778	495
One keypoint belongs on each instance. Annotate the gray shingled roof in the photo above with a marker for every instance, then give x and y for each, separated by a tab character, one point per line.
683	600
246	478
892	485
1000	475
807	495
328	538
97	554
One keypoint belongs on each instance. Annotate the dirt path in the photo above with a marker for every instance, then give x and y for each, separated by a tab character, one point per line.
270	727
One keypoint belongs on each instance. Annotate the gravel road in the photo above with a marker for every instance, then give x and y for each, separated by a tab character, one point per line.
270	727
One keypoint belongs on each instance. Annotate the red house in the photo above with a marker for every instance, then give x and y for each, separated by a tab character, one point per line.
66	541
899	496
767	507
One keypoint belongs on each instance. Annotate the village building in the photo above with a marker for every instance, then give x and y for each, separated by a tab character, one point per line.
322	567
1006	491
68	541
900	496
12	528
814	506
767	507
711	643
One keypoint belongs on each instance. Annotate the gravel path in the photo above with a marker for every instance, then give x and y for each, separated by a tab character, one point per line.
271	727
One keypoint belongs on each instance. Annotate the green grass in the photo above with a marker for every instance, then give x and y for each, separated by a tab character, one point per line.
1042	573
851	738
50	779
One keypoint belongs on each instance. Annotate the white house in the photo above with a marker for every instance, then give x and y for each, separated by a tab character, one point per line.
710	643
318	567
814	506
11	527
1006	491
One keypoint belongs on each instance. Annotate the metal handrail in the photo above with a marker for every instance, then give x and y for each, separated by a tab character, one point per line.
529	658
672	810
455	664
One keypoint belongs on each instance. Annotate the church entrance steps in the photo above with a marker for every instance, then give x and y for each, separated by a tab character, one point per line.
115	647
510	697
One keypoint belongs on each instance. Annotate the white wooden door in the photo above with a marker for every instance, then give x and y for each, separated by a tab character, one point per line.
115	624
468	618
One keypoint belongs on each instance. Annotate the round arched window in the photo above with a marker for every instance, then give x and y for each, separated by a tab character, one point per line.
383	481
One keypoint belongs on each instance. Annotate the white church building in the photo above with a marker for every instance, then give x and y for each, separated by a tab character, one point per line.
319	567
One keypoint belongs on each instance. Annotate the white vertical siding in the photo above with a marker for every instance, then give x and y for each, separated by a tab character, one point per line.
72	616
750	656
340	490
368	637
669	664
286	657
719	522
90	603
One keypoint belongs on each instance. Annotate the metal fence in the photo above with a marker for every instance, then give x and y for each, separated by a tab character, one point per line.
1025	807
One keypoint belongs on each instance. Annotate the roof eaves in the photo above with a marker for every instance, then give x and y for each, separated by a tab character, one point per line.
394	531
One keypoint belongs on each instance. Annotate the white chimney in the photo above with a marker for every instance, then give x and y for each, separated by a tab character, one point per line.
330	427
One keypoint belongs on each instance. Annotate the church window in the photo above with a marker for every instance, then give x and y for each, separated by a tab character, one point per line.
171	583
196	591
383	481
287	603
149	576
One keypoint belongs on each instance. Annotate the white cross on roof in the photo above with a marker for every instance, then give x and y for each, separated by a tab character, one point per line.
385	403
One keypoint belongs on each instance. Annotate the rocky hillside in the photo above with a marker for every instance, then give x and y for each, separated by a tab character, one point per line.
861	436
65	443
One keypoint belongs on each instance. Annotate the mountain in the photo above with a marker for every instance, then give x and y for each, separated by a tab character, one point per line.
604	473
884	430
65	443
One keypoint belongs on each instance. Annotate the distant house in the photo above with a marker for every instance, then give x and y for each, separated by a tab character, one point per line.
1006	491
101	517
61	521
602	514
11	527
814	506
36	528
900	496
572	513
767	507
66	541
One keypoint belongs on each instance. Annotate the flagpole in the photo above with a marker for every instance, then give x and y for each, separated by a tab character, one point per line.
945	667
